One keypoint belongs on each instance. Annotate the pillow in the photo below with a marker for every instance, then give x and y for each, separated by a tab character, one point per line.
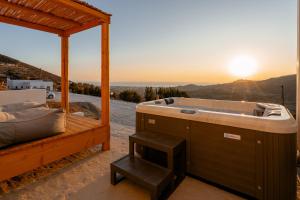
268	106
20	106
4	116
169	101
32	124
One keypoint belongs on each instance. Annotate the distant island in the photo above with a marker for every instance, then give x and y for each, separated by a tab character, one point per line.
269	90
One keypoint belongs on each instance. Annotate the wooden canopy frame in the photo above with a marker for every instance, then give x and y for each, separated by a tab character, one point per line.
63	18
298	77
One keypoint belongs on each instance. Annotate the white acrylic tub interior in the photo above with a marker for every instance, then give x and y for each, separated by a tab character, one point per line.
275	118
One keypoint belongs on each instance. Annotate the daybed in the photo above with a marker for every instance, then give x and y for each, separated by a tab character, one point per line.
29	121
81	133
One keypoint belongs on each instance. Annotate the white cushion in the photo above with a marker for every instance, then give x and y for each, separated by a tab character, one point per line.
4	116
31	124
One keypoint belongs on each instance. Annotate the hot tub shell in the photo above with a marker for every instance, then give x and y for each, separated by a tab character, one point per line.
228	145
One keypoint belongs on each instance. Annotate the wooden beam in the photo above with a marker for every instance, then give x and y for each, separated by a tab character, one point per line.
298	78
86	26
65	73
39	13
104	17
17	22
105	93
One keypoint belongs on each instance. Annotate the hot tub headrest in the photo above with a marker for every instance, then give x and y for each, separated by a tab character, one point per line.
269	109
268	106
169	101
268	113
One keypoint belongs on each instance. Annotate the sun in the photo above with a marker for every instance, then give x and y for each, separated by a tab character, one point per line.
243	66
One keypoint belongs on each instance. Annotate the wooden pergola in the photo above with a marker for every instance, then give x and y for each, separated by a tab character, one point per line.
298	77
63	18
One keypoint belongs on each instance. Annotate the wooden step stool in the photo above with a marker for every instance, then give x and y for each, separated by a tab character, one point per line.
150	175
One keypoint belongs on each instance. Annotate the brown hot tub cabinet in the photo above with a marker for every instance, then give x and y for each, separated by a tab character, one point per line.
247	159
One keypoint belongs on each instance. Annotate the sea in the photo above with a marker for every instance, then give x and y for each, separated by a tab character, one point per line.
148	84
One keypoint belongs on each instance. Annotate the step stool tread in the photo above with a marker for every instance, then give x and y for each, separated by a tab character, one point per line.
142	170
156	140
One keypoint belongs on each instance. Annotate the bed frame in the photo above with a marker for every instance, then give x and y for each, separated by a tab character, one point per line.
81	134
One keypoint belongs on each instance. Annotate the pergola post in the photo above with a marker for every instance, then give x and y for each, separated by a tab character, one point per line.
105	89
298	77
65	73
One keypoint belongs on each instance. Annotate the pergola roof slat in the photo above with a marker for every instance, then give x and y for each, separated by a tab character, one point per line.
62	17
38	13
79	6
16	22
84	27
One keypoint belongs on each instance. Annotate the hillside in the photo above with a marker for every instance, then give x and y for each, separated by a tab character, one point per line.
19	70
265	91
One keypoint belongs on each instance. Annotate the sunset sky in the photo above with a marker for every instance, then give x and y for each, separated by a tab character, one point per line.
192	41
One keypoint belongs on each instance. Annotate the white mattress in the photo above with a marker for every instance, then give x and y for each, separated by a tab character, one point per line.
30	124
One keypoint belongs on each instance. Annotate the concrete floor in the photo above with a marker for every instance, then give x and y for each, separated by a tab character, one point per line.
189	189
89	179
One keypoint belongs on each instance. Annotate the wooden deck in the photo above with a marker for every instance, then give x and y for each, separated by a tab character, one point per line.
81	134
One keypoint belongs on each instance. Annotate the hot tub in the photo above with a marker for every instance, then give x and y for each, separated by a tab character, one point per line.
245	146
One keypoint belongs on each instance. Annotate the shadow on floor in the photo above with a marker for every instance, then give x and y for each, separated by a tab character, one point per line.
189	189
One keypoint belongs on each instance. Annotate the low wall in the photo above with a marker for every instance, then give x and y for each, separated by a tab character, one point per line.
19	96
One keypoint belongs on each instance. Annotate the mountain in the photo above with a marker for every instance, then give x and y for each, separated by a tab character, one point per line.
269	90
19	70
